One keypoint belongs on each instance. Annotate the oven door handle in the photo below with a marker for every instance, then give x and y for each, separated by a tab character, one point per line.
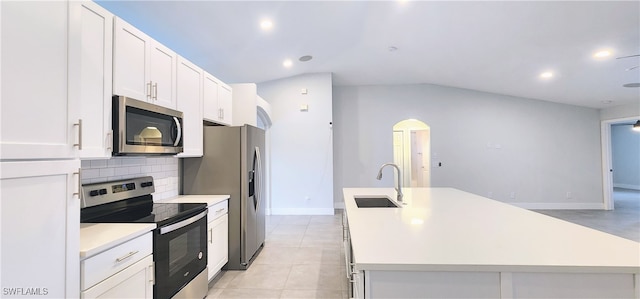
181	224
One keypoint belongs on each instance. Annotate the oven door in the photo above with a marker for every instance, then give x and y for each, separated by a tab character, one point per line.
180	254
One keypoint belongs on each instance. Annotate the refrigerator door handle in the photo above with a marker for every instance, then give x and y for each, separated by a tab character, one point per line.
259	178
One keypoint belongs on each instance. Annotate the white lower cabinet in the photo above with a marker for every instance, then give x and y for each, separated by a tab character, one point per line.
124	271
40	227
217	249
132	282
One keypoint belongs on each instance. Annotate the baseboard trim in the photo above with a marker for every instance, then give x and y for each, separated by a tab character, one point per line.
626	186
338	205
329	211
558	206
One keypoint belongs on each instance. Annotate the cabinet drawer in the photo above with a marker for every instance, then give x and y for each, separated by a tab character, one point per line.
109	262
217	210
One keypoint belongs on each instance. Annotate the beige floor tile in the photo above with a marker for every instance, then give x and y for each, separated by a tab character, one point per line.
299	220
289	229
318	255
309	294
277	256
225	277
268	277
321	241
283	240
248	293
315	277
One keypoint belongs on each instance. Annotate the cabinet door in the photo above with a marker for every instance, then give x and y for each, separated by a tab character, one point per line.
189	97
37	116
40	227
225	104
210	111
130	59
136	281
218	252
91	68
162	74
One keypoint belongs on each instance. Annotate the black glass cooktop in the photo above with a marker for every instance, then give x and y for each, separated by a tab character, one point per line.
140	210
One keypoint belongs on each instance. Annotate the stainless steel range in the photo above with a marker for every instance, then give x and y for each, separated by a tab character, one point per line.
179	241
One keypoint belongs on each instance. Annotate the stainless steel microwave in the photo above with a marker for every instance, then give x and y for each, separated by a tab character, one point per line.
141	128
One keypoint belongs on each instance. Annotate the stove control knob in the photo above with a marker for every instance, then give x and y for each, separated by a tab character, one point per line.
103	191
93	193
200	255
147	184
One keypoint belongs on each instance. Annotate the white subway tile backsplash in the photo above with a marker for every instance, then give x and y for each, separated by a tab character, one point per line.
164	171
98	163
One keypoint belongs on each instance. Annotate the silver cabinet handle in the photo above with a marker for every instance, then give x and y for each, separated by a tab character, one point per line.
219	210
149	94
79	124
152	273
126	256
79	184
110	140
155	91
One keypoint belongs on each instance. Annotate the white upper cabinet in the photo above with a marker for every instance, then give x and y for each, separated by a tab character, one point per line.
143	69
38	119
225	104
189	98
217	100
90	67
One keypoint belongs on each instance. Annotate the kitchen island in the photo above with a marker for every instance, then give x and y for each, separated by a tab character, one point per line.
446	243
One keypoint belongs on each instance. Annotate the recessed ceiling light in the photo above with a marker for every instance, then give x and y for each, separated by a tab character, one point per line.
266	25
602	54
305	58
546	75
287	63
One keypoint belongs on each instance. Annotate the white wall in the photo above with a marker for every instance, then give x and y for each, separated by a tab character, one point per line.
527	152
164	171
622	111
301	144
625	148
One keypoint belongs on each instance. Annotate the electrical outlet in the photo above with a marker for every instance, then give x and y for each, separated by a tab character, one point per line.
512	195
569	195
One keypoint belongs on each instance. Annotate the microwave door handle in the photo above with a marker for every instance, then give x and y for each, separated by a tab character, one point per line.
179	128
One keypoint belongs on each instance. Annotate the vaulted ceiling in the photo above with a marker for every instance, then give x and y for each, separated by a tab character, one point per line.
499	46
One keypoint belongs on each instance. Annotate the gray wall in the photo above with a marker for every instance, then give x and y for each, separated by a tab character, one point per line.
301	144
532	153
625	155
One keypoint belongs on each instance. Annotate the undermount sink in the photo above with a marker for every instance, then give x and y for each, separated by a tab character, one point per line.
372	201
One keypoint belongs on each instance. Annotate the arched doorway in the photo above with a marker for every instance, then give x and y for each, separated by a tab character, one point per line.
412	152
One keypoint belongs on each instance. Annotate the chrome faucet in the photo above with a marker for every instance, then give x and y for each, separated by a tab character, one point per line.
399	188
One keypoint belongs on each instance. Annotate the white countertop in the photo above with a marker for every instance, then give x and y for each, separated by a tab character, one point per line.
444	229
97	237
208	199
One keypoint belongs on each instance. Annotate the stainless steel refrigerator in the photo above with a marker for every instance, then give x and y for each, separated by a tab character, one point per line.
232	164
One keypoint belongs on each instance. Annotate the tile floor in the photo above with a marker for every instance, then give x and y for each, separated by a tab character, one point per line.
303	255
302	258
622	221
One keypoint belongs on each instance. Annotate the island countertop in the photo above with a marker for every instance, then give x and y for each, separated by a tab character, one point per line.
445	229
